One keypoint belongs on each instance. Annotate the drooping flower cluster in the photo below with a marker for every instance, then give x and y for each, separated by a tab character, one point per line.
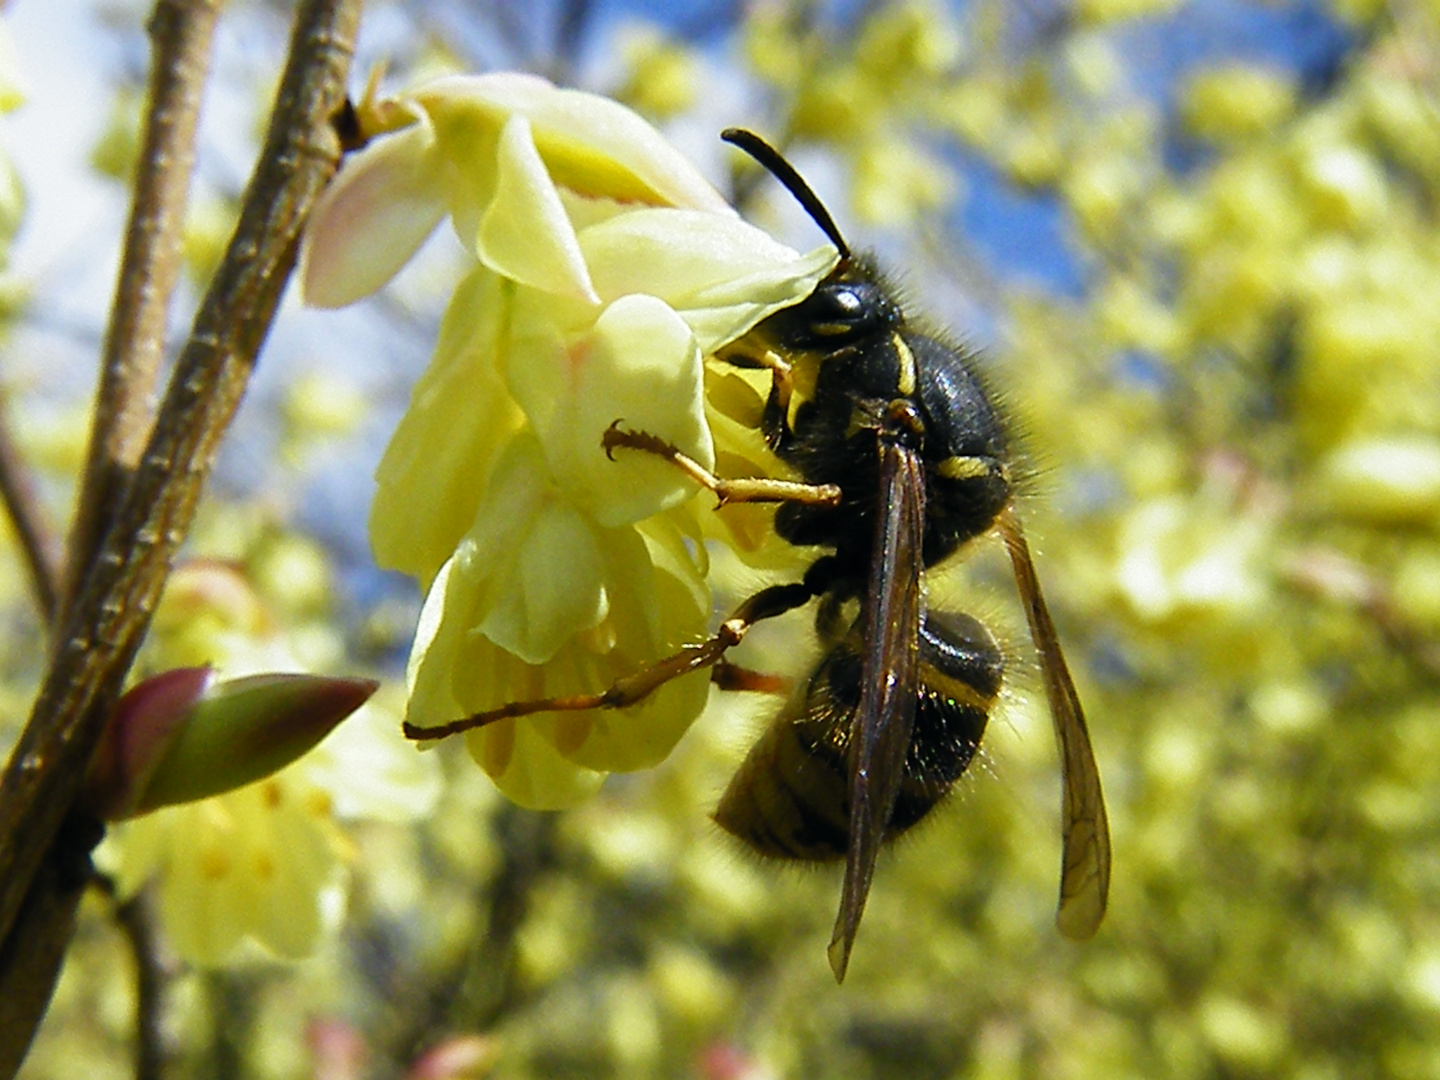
605	270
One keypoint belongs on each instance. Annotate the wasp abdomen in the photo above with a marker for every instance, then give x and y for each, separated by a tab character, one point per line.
961	671
791	797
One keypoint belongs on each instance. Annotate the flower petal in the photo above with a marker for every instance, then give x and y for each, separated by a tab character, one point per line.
669	592
532	560
658	602
454	673
552	588
720	274
638	364
382	206
590	144
524	233
434	654
460	417
528	769
528	575
257	863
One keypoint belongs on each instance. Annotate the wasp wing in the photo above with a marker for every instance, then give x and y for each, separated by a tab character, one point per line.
1085	870
881	727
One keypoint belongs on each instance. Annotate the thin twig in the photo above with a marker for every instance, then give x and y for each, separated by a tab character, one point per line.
181	32
135	919
181	35
137	924
113	606
37	540
232	997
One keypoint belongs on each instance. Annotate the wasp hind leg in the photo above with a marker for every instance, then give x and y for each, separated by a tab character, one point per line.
744	489
765	604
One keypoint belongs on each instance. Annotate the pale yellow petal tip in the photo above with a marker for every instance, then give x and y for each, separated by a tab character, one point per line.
592	146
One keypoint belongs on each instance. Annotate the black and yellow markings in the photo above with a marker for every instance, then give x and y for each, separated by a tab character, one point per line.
906	382
963	467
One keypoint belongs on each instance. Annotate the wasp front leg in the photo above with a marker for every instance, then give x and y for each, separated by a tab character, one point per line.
743	489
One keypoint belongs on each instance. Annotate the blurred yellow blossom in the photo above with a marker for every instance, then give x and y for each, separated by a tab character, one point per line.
1185	557
1391	480
871	97
1237	102
662	76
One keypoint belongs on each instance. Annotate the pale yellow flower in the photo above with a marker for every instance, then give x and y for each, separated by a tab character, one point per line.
607	270
266	865
1186	558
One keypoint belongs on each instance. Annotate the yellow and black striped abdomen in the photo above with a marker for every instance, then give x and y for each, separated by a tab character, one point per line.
961	669
791	796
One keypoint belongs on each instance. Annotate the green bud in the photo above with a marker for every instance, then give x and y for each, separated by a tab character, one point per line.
147	720
179	737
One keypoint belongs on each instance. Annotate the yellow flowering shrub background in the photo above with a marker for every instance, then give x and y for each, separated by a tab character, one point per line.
1235	426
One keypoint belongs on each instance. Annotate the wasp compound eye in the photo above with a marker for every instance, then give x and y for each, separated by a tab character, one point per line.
843	303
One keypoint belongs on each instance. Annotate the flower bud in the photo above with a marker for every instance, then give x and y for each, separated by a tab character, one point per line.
467	1057
179	736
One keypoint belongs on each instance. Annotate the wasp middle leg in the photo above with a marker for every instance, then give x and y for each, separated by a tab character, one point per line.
743	489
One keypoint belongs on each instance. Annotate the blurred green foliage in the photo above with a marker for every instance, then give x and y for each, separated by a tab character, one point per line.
1236	431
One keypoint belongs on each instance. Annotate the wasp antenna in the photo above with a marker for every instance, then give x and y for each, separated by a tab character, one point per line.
775	163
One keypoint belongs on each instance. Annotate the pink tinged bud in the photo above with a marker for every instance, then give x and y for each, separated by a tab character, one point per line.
147	720
337	1049
178	737
468	1057
725	1061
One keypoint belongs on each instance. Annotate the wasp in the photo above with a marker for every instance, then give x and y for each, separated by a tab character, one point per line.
903	459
